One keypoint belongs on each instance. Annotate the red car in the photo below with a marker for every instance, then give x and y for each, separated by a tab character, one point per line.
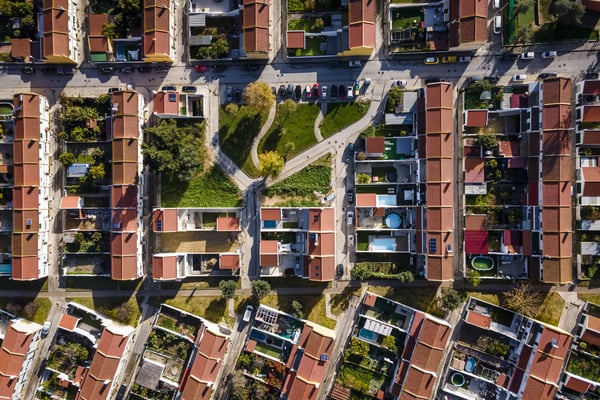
316	91
200	68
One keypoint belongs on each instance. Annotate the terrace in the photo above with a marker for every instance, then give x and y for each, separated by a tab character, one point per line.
86	264
390	312
390	218
87	219
269	345
274	322
507	266
200	242
394	148
387	173
396	241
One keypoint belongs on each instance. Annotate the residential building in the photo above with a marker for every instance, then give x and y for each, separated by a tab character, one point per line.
111	355
126	191
435	221
31	189
298	242
468	24
256	22
588	181
501	353
173	104
100	46
159	28
61	29
195	242
20	339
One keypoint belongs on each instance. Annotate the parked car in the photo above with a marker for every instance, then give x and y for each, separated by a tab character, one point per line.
229	94
350	197
316	91
350	217
298	92
356	88
528	55
200	68
290	90
449	59
465	59
350	240
431	60
519	77
492	79
107	70
189	89
549	54
307	92
328	199
281	91
400	82
349	93
334	91
545	75
46	328
472	79
28	70
127	70
432	80
113	89
354	64
169	88
324	92
237	94
248	313
65	70
367	81
341	92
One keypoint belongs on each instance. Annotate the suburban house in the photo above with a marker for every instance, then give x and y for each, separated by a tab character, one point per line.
159	31
100	46
27	161
298	242
504	354
173	104
195	242
19	339
126	191
255	25
112	353
468	24
588	180
60	27
435	221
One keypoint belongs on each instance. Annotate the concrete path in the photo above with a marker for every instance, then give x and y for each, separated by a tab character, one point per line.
265	128
570	313
328	312
231	308
319	121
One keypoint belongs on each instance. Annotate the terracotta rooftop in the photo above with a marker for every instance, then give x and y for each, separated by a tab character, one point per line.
591	114
98	42
68	322
25	268
474	170
477	118
166	103
70	202
164	267
476	222
21	49
229	261
375	145
295	39
157	38
366	199
165	220
321	220
479	320
270	214
256	26
228	224
125	196
591	87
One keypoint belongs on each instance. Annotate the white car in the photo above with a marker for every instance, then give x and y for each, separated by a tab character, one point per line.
465	59
324	92
328	199
350	216
519	77
350	240
46	328
400	82
549	54
528	55
354	64
349	93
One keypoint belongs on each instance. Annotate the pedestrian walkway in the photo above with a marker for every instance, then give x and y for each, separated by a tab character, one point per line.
263	131
328	312
571	310
319	121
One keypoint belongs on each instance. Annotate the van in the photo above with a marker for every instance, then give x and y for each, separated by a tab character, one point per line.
496	4
497	24
248	313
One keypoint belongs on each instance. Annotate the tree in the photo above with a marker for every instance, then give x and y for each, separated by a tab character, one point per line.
67	158
394	98
228	289
239	390
232	108
97	171
358	347
297	307
288	148
317	25
286	109
487	140
524	34
260	289
389	342
523	300
473	277
259	97
176	152
450	299
363	178
270	164
522	6
568	12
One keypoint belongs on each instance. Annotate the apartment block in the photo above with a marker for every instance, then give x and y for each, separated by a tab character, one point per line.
60	28
159	28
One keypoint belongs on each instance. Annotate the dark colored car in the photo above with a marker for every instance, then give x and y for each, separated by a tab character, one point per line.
545	75
281	91
492	79
144	69
113	89
290	91
591	75
334	91
107	70
298	92
237	95
169	88
341	92
28	70
316	91
189	89
126	70
350	197
432	80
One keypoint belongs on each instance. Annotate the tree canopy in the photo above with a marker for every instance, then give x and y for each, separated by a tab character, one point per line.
175	151
260	289
568	12
450	299
522	299
228	288
259	97
270	164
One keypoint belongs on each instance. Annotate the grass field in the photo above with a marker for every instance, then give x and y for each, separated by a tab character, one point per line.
342	115
592	298
313	47
35	310
423	299
405	17
313	307
211	189
122	309
236	133
551	309
303	24
303	183
212	308
340	302
297	128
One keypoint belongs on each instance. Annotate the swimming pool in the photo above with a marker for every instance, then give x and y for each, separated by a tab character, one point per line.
256	335
386	200
470	364
269	224
5	269
393	220
367	334
457	379
482	263
382	244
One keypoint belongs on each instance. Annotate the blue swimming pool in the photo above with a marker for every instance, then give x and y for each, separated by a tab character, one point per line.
5	268
269	224
256	335
470	364
382	244
386	200
367	334
393	220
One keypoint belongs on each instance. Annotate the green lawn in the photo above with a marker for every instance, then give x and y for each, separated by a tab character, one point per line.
340	302
313	47
236	133
303	24
555	31
212	308
359	378
342	115
35	310
525	19
405	17
422	298
303	183
297	128
592	298
551	309
211	189
313	307
122	309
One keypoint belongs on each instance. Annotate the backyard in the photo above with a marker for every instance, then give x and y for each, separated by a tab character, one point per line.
212	308
35	310
312	47
423	299
210	189
313	307
296	128
124	310
167	343
236	133
342	115
403	18
363	380
66	357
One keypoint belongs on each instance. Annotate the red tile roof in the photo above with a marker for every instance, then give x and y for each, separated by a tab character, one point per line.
510	148
593	323
577	385
168	219
476	222
418	384
591	114
476	242
591	87
321	268
164	267
25	268
229	261
268	253
25	244
228	224
124	243
68	322
538	390
477	118
557	91
56	28
375	145
125	150
591	178
270	214
321	220
479	320
157	39
256	26
21	49
295	39
125	196
124	220
25	221
590	137
361	23
98	42
166	103
70	202
366	199
474	170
